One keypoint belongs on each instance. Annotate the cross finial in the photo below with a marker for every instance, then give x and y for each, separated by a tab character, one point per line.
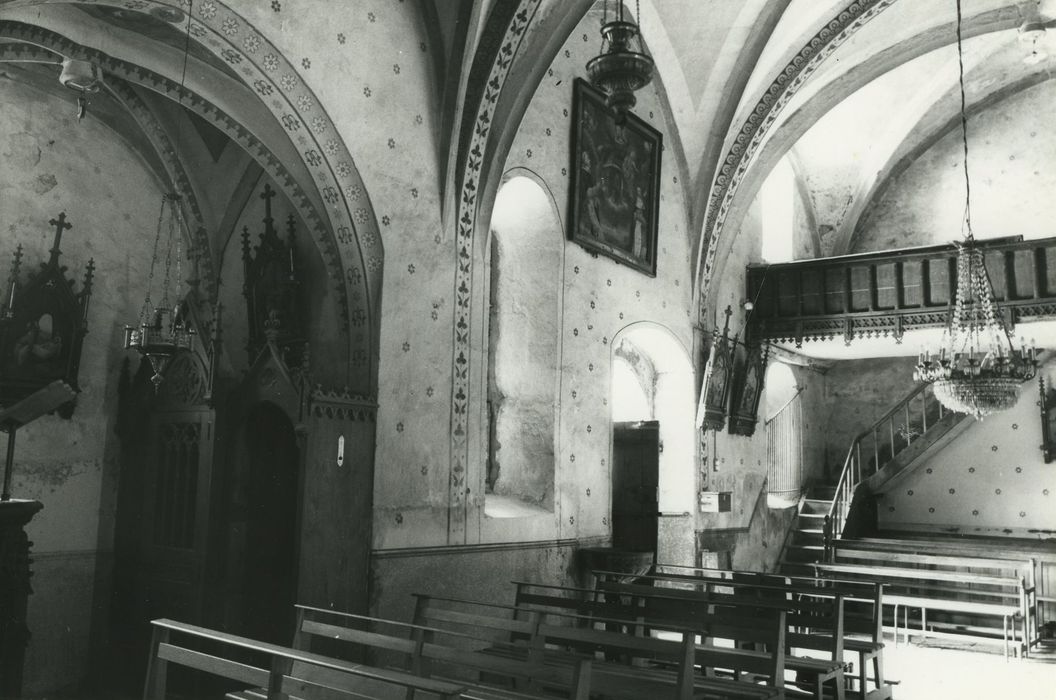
267	195
60	225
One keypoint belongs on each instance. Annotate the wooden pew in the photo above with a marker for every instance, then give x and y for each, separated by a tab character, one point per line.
332	679
862	618
1025	594
566	635
456	656
655	608
658	613
941	590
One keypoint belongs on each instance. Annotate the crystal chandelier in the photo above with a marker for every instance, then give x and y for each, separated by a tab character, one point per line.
977	370
623	66
162	331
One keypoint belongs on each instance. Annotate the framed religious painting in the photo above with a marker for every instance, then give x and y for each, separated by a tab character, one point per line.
615	184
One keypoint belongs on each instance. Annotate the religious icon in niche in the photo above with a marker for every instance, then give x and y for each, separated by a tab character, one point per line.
715	389
42	325
615	188
748	388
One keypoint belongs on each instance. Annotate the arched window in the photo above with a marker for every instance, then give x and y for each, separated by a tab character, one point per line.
526	251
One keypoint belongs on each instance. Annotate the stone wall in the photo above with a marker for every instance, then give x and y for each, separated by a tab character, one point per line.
1011	149
54	163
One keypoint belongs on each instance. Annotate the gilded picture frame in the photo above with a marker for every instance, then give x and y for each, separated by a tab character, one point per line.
615	182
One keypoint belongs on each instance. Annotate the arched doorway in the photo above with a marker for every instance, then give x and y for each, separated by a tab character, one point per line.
653	449
266	494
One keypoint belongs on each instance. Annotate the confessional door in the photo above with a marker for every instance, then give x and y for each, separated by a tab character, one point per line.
264	526
177	499
635	479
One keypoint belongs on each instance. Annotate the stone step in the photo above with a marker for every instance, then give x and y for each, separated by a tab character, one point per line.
817	506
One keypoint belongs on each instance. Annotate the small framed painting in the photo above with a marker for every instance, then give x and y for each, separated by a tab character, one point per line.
615	187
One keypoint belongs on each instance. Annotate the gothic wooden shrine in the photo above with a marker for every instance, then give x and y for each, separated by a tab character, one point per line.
272	291
748	388
715	389
42	325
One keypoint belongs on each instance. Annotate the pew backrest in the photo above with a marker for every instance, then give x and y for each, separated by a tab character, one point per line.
220	654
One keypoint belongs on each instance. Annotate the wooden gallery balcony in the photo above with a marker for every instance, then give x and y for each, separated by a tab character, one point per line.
891	292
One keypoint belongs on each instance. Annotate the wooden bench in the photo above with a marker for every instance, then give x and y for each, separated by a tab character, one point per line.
755	651
861	623
454	656
283	672
1022	569
677	603
946	591
629	666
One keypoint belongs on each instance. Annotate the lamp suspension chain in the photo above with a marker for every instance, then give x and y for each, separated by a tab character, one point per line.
964	123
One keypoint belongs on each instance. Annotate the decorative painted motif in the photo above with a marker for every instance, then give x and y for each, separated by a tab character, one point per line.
342	405
467	216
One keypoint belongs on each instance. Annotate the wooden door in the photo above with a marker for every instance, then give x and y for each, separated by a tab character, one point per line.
635	479
267	495
177	496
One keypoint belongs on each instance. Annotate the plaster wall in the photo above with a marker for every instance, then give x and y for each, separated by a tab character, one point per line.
370	68
600	297
857	393
991	480
750	531
1011	150
54	163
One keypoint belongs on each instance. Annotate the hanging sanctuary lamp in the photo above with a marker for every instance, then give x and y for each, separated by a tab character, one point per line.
623	66
977	369
162	330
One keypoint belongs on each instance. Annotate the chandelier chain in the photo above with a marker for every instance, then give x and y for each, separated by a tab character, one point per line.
145	311
964	123
973	371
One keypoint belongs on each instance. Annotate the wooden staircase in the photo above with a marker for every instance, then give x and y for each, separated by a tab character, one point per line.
806	541
895	441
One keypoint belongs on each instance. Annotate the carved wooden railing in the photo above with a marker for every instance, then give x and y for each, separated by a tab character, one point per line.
893	433
890	292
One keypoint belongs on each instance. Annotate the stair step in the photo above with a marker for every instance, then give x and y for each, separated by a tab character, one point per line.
811	531
820	516
815	506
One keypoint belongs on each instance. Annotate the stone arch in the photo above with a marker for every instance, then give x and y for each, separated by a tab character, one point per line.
481	153
755	128
345	227
674	406
525	258
755	149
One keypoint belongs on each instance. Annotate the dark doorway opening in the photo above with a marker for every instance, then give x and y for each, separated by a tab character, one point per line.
635	480
271	491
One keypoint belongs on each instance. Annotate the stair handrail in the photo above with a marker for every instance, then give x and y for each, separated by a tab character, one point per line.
851	474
